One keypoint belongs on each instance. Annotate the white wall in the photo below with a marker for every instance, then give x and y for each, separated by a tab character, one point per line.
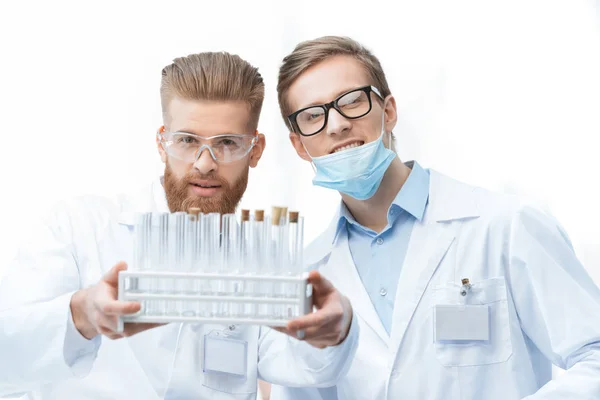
503	94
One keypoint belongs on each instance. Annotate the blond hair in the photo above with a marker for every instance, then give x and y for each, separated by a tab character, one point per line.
217	76
311	52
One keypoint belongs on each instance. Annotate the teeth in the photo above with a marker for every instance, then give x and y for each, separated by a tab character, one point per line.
356	144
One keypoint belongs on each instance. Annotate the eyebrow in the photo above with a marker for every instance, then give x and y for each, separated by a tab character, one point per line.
338	94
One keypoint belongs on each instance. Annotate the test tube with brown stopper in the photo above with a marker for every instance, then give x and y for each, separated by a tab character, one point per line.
295	264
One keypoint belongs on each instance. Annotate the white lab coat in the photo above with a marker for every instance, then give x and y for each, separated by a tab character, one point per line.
544	308
42	356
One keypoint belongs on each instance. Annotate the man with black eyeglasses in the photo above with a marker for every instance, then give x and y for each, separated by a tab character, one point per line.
460	293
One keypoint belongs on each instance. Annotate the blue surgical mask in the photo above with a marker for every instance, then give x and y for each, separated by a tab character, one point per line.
357	172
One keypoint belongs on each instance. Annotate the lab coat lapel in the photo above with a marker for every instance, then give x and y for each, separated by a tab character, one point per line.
340	270
449	200
427	247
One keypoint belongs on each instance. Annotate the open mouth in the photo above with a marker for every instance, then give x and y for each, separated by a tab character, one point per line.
206	186
348	146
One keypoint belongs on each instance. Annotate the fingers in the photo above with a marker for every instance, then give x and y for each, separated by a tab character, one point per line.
112	276
328	334
107	309
135	328
120	307
108	327
107	313
313	336
299	334
324	327
281	329
318	318
107	324
331	309
321	285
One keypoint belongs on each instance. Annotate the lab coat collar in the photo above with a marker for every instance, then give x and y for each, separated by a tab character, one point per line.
449	200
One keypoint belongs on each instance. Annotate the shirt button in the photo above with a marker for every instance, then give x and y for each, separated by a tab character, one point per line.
379	241
382	291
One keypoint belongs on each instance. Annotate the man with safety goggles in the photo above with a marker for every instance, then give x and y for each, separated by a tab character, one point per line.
58	300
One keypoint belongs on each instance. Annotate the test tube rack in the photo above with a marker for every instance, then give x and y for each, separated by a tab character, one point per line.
299	303
207	268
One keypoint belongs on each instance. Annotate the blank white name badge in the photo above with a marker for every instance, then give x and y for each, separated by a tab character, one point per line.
224	354
461	322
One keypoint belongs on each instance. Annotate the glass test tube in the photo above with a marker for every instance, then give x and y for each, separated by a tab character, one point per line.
258	256
295	263
235	263
228	262
138	248
273	261
211	251
177	225
246	258
141	256
191	255
158	251
262	260
200	264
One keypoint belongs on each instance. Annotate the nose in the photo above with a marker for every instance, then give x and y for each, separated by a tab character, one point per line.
336	123
205	164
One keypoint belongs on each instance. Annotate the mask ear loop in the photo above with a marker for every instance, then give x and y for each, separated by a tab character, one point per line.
383	128
312	163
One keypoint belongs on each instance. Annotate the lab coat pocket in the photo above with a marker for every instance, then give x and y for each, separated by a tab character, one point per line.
487	303
229	360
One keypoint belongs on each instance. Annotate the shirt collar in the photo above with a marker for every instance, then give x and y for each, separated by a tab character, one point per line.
414	194
412	197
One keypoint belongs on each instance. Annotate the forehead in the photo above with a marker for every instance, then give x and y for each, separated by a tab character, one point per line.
207	117
326	80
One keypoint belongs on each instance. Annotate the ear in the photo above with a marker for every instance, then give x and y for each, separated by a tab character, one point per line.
257	150
297	143
161	150
391	115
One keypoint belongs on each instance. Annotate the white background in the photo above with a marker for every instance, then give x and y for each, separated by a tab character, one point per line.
502	94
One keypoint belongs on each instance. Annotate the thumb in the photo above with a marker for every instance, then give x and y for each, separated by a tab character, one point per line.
112	276
320	285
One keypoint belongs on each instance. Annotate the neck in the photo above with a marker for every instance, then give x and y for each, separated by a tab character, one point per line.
372	213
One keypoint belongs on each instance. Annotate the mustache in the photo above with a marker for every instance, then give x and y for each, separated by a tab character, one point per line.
210	177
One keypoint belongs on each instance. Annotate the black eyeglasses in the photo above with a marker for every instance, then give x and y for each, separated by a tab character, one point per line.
353	104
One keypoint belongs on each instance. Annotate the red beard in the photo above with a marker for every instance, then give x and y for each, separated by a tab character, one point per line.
180	198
